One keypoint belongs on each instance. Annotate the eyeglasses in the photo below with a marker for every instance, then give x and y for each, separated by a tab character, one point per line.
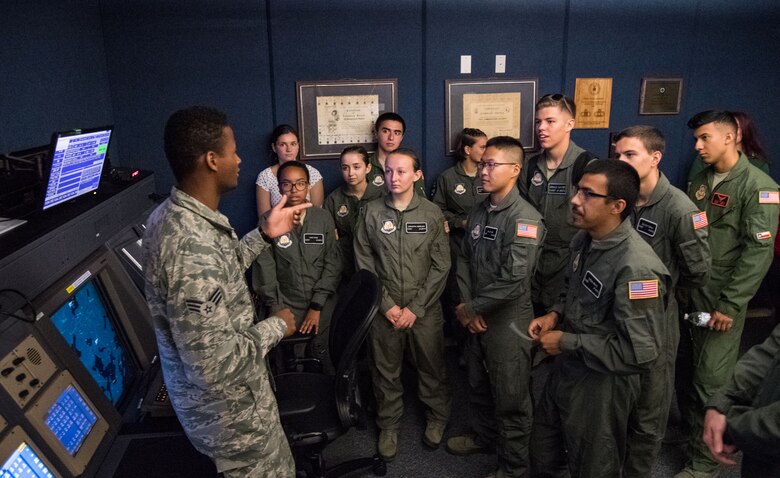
558	98
296	186
490	166
587	194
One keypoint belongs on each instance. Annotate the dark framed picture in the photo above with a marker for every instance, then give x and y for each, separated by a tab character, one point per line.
499	107
335	114
660	96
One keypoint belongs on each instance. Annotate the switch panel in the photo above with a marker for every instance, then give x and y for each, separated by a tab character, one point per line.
465	64
25	370
500	63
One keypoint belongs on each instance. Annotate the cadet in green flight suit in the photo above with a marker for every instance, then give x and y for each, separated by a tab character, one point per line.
547	181
345	202
495	267
741	203
303	269
402	238
389	129
745	413
677	232
611	306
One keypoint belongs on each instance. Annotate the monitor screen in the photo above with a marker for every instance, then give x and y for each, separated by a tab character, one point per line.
87	324
24	462
70	419
76	163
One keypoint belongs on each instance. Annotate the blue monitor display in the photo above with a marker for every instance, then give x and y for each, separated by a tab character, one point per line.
70	419
85	323
77	161
24	463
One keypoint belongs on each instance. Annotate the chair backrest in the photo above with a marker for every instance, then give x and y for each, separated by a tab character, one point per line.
352	317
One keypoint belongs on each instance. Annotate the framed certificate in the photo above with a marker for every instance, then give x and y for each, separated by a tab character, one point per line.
660	96
335	114
499	107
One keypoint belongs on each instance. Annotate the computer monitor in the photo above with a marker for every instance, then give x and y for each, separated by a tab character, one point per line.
19	457
77	159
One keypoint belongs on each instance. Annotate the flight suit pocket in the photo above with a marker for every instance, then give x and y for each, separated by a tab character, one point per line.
641	339
519	260
693	257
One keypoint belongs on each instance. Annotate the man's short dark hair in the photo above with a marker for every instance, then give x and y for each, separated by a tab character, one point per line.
561	101
713	116
407	152
292	164
390	116
622	181
509	145
191	133
650	136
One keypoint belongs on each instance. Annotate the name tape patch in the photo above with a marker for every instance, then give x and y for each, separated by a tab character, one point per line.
556	188
490	233
720	200
646	227
416	227
592	284
313	238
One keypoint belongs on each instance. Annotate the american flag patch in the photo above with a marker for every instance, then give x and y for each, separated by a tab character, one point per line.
700	220
526	230
763	235
643	289
768	197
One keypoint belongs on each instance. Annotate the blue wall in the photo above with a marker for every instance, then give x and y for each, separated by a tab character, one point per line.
82	63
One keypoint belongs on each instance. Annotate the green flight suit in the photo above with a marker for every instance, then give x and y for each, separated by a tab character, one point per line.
456	193
615	302
345	209
677	232
698	165
377	176
495	268
751	402
302	271
551	198
742	212
409	252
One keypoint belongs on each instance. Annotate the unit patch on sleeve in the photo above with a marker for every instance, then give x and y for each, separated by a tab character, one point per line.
768	197
313	238
593	284
646	227
490	233
700	220
207	308
643	289
763	235
527	230
416	227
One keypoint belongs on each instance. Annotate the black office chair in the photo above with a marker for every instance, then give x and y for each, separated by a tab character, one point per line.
316	408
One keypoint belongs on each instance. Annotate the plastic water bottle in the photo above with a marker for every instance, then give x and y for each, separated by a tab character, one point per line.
699	319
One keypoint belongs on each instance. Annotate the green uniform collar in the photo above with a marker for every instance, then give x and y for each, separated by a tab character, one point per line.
739	169
572	152
505	203
182	199
661	189
615	237
462	172
412	205
371	192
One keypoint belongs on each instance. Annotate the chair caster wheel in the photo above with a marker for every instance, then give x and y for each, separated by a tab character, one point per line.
380	469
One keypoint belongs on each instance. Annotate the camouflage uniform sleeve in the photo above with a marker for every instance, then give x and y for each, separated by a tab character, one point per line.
265	282
212	348
752	427
365	259
693	248
758	229
250	246
632	348
518	263
331	273
441	261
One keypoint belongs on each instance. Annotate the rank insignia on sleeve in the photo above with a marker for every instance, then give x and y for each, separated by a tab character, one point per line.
343	210
643	289
388	226
720	200
700	220
763	235
527	230
701	192
207	308
378	181
460	189
768	197
476	231
284	241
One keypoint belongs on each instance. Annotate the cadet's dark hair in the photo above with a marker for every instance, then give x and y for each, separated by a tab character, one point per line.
650	136
467	137
389	116
713	116
508	144
622	181
280	130
356	150
561	101
407	152
191	133
292	164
